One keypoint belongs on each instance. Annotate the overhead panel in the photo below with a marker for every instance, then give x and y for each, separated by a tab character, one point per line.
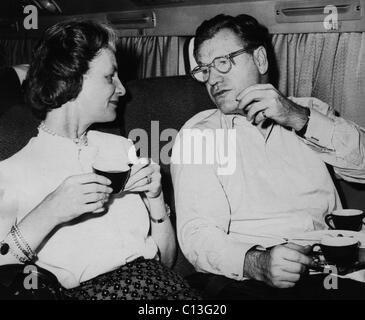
316	11
153	3
132	19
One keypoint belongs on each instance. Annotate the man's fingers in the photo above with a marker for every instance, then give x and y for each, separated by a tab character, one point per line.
297	256
290	276
307	249
260	117
294	268
297	247
259	98
249	99
254	87
254	108
284	285
256	93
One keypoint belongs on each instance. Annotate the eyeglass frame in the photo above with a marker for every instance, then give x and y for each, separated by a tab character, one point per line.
228	56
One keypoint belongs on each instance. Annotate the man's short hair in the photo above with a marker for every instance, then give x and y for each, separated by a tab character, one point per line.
60	61
247	28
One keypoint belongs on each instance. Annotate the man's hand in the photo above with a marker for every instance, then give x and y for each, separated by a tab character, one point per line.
280	267
262	101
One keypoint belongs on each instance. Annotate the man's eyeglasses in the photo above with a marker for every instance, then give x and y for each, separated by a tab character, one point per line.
221	64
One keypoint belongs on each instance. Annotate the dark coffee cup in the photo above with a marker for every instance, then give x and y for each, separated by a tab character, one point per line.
118	175
339	251
345	219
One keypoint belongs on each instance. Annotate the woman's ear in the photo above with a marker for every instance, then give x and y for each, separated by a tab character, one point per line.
260	59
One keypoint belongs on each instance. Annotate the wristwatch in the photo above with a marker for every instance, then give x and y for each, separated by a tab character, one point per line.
302	131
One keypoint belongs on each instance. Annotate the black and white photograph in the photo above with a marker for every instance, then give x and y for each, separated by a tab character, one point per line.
182	154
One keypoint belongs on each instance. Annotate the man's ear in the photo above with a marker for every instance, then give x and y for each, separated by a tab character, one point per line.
260	59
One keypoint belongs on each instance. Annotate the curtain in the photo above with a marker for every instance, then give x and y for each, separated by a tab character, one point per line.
138	57
16	51
153	56
328	66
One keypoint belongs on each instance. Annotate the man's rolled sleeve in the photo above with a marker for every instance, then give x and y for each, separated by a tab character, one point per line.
320	130
212	251
233	259
339	142
320	126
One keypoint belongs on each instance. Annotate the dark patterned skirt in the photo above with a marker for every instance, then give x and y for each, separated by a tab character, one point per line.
137	280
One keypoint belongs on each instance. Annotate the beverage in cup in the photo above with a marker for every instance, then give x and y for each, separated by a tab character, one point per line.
115	170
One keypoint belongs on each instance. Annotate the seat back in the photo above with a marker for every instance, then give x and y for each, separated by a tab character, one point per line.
17	126
157	108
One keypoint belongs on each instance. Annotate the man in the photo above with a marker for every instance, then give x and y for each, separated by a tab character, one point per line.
280	185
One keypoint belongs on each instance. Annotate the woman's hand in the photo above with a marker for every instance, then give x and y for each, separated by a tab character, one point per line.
145	177
77	195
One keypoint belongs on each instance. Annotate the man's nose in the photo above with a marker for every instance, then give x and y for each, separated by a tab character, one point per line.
119	88
214	76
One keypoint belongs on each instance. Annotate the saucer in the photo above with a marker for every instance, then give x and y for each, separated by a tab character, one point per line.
323	266
312	237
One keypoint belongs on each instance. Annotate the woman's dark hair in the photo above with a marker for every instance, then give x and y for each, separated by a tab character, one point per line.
60	60
247	28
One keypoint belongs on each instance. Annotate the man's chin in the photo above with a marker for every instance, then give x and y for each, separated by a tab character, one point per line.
229	109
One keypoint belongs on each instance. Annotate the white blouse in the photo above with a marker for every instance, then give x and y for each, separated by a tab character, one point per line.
80	251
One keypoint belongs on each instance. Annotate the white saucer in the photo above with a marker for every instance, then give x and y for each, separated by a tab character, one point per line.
316	236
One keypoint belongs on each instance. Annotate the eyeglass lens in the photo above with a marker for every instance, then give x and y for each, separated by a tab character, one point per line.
221	64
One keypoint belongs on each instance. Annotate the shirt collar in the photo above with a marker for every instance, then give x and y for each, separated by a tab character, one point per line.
231	121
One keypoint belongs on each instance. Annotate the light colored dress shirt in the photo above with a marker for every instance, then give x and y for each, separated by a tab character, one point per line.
339	142
94	245
280	187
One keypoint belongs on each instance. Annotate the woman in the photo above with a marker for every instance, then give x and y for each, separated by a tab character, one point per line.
61	214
